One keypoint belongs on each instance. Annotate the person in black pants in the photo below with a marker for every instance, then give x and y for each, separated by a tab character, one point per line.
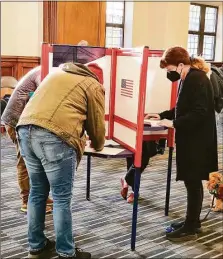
161	146
196	136
149	149
195	195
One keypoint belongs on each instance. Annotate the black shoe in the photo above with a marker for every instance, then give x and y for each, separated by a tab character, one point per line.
79	254
177	225
161	151
45	252
181	234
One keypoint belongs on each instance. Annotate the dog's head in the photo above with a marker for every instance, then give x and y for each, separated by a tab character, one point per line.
215	176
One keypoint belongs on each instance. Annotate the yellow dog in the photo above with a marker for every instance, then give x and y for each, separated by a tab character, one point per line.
216	178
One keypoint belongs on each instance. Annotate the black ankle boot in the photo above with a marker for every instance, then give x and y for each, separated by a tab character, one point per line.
182	234
79	254
177	225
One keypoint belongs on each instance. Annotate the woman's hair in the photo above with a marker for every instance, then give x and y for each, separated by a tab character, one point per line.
176	55
200	63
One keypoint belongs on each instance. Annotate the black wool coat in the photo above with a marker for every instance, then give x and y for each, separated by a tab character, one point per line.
194	121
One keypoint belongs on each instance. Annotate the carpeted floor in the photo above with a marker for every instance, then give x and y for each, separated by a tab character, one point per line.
102	225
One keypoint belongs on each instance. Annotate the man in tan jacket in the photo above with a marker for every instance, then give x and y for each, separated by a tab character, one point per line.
51	134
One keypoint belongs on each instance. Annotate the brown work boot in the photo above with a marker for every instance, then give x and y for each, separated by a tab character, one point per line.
24	207
49	202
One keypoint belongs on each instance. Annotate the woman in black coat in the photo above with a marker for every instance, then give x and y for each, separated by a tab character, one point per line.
196	136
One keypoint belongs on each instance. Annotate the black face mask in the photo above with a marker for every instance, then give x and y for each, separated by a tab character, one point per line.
173	76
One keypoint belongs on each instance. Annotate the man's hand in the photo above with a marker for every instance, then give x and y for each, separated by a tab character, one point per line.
152	116
166	123
91	145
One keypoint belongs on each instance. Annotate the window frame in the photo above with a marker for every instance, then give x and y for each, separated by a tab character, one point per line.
116	25
201	33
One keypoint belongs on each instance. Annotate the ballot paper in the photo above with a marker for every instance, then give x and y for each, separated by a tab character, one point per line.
109	148
152	123
105	151
110	142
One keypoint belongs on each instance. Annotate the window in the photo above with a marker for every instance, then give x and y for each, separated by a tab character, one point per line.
202	30
115	24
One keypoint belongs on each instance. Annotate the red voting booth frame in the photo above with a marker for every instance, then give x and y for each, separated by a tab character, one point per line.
139	127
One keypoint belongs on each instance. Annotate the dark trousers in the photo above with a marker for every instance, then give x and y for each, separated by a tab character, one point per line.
162	143
195	196
149	149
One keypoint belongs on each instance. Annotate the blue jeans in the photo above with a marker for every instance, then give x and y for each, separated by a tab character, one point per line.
51	164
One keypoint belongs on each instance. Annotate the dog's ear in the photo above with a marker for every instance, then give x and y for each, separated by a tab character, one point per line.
211	175
217	174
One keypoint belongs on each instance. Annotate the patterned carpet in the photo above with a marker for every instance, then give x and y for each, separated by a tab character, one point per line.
102	225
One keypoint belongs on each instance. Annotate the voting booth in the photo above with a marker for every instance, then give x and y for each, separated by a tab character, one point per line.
134	86
138	87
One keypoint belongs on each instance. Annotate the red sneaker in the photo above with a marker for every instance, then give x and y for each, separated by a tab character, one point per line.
49	202
131	198
124	190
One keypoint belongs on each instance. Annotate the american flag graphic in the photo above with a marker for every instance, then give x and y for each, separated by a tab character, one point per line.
127	88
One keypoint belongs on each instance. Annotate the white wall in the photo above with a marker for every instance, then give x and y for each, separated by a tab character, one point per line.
160	25
21	28
157	25
128	24
177	24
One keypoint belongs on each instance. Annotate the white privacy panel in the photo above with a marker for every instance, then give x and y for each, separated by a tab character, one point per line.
105	64
50	61
158	87
106	128
125	134
127	87
159	132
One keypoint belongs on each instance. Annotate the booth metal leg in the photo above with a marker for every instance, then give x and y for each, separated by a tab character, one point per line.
168	181
135	207
88	177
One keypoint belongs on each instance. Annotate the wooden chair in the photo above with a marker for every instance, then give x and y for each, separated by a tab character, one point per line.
8	84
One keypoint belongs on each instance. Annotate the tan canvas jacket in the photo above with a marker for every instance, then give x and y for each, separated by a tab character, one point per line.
68	102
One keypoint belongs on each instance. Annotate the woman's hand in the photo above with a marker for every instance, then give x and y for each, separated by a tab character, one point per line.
152	116
166	123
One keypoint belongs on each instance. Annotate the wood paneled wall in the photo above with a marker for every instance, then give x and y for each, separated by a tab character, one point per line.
70	22
50	28
17	66
63	23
